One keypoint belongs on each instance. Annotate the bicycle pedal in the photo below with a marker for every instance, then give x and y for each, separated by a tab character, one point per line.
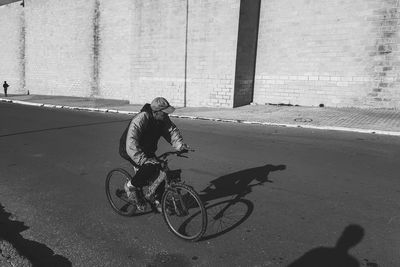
140	207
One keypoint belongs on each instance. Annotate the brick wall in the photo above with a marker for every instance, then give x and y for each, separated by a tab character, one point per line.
11	54
59	47
114	22
211	52
158	50
133	50
338	53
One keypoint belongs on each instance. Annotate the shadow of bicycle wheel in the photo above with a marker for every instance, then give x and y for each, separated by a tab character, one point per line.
225	216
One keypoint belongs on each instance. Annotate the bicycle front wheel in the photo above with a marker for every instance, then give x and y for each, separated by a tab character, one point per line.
184	212
116	194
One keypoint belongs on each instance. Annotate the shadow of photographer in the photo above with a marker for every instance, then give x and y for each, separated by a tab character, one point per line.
38	254
226	215
335	256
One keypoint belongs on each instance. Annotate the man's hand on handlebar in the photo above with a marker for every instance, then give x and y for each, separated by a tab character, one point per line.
152	161
179	153
184	148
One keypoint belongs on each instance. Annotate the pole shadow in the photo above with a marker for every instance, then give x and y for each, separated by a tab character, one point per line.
226	215
38	254
335	256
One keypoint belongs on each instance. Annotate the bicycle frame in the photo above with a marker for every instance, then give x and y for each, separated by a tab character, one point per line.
163	176
178	200
152	188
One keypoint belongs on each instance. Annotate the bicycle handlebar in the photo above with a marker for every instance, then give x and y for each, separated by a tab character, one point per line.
179	153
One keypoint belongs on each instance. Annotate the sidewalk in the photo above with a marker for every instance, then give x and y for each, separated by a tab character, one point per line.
379	121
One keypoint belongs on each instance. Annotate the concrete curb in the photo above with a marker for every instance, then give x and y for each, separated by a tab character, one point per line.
103	110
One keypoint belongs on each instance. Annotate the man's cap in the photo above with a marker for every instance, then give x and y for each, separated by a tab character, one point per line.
161	104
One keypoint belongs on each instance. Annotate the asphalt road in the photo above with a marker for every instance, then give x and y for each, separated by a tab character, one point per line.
298	191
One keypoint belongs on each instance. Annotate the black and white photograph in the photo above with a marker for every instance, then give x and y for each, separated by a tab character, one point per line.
200	133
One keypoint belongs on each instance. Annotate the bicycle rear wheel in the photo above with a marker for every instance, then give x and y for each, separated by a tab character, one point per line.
184	212
116	194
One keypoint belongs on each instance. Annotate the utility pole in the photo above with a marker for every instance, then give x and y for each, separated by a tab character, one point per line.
186	55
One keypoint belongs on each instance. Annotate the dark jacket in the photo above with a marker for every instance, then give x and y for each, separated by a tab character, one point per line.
144	133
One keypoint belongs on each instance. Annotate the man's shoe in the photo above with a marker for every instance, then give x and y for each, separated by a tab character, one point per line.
134	195
141	204
131	193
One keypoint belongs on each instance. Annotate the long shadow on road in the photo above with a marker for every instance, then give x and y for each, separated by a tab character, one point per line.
62	127
38	254
226	215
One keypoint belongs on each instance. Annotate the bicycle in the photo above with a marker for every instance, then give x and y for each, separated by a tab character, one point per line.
181	207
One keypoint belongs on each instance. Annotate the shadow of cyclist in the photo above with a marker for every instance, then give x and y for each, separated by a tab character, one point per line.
336	256
38	254
226	215
239	183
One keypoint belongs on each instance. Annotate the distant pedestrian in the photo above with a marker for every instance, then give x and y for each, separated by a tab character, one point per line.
5	86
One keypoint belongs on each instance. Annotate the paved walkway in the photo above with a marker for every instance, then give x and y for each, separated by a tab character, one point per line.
379	121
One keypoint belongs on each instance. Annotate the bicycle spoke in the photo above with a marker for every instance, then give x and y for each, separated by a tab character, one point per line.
188	220
226	215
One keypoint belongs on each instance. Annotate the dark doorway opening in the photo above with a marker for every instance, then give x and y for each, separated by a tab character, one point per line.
246	52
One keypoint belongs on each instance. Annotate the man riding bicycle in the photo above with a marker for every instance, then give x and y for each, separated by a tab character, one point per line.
139	142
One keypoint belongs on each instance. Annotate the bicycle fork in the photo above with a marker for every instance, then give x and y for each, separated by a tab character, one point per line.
182	209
